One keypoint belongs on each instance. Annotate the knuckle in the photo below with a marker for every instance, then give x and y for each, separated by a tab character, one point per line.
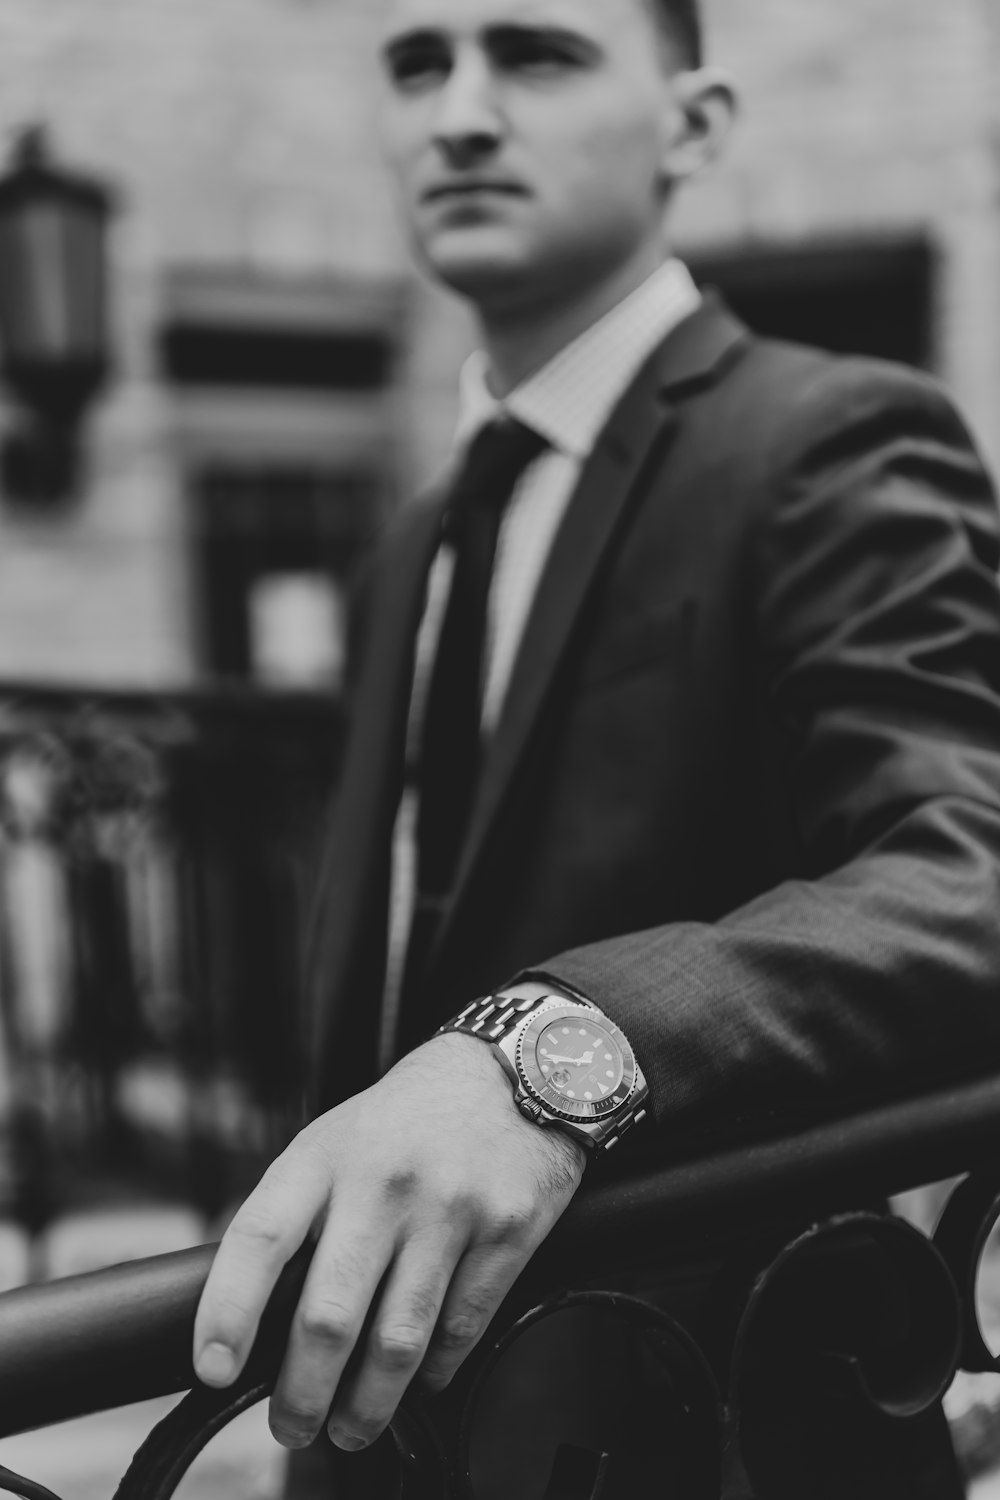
257	1224
424	1304
513	1219
462	1325
399	1347
458	1331
461	1205
328	1323
400	1184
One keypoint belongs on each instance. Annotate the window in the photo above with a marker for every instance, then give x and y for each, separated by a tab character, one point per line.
277	548
285	399
856	298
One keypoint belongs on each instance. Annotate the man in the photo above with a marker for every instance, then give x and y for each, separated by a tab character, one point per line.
739	786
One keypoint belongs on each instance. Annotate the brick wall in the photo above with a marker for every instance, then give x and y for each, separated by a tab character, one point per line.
240	134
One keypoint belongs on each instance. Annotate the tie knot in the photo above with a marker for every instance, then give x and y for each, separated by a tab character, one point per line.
496	458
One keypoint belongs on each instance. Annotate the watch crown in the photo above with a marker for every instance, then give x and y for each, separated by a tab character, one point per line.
530	1109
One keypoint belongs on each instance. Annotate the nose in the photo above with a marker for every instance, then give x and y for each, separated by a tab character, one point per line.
469	122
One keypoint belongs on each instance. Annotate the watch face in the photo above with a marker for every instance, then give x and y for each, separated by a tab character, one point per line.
579	1061
574	1063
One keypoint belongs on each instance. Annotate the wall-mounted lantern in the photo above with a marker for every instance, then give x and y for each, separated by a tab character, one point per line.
53	313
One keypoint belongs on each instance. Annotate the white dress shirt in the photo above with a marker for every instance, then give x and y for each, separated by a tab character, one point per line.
568	402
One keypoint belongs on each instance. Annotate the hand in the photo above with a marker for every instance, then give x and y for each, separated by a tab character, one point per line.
429	1193
583	1061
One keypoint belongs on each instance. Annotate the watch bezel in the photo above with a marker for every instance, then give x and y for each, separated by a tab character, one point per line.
575	1111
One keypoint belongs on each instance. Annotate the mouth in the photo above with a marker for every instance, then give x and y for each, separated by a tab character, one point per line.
469	187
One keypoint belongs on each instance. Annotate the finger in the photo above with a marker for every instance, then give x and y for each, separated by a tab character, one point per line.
347	1268
395	1343
262	1237
479	1284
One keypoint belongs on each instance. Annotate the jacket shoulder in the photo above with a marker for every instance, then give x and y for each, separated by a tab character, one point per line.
785	388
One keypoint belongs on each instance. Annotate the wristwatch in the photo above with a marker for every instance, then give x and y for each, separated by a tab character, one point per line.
571	1067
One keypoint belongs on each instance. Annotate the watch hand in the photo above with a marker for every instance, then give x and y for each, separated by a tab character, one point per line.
557	1057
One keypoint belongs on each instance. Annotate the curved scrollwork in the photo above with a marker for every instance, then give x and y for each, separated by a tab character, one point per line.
539	1421
174	1443
832	1345
849	1338
962	1236
407	1464
836	1349
27	1489
532	1422
87	785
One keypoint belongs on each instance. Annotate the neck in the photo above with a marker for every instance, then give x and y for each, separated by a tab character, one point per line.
519	339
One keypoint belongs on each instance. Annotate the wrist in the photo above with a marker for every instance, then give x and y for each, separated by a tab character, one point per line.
570	1067
470	1059
470	1056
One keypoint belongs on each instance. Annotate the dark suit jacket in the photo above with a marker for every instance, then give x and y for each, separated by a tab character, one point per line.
745	792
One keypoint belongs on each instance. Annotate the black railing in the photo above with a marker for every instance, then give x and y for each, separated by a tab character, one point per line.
155	859
820	1336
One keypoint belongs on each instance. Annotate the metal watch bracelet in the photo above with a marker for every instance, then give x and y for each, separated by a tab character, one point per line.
491	1018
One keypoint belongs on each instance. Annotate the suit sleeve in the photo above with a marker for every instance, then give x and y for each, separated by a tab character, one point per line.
877	616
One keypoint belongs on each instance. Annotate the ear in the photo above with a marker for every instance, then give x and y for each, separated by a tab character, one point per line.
701	113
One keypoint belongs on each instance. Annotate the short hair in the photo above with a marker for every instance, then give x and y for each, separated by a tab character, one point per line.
680	20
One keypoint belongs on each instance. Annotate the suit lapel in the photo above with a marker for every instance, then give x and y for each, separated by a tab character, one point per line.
635	439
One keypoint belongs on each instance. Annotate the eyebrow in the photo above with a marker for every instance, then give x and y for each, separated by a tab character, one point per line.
408	41
500	35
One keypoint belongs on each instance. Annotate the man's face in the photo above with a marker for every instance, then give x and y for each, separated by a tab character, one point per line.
527	139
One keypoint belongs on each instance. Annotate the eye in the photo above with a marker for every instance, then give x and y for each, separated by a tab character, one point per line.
419	65
534	54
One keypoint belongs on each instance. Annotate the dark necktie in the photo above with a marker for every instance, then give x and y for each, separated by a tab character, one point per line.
450	738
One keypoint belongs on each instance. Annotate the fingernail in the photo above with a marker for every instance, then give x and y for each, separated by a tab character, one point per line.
216	1365
291	1437
346	1441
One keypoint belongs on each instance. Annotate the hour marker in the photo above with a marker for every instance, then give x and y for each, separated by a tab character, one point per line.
603	1088
581	1032
570	1094
609	1074
588	1096
545	1067
565	1031
607	1057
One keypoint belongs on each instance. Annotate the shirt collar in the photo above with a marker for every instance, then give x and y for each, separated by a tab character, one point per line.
569	399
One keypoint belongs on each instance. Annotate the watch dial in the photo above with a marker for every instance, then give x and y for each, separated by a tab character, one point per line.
579	1060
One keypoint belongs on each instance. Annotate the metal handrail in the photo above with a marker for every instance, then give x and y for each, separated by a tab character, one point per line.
111	1337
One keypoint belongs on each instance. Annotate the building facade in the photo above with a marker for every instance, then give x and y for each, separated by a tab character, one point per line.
281	377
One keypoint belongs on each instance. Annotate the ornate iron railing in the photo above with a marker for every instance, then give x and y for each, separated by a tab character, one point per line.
747	1322
155	861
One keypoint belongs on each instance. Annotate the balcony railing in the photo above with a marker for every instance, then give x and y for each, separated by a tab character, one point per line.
155	856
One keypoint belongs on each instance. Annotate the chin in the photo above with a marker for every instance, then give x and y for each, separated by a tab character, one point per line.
478	267
498	271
